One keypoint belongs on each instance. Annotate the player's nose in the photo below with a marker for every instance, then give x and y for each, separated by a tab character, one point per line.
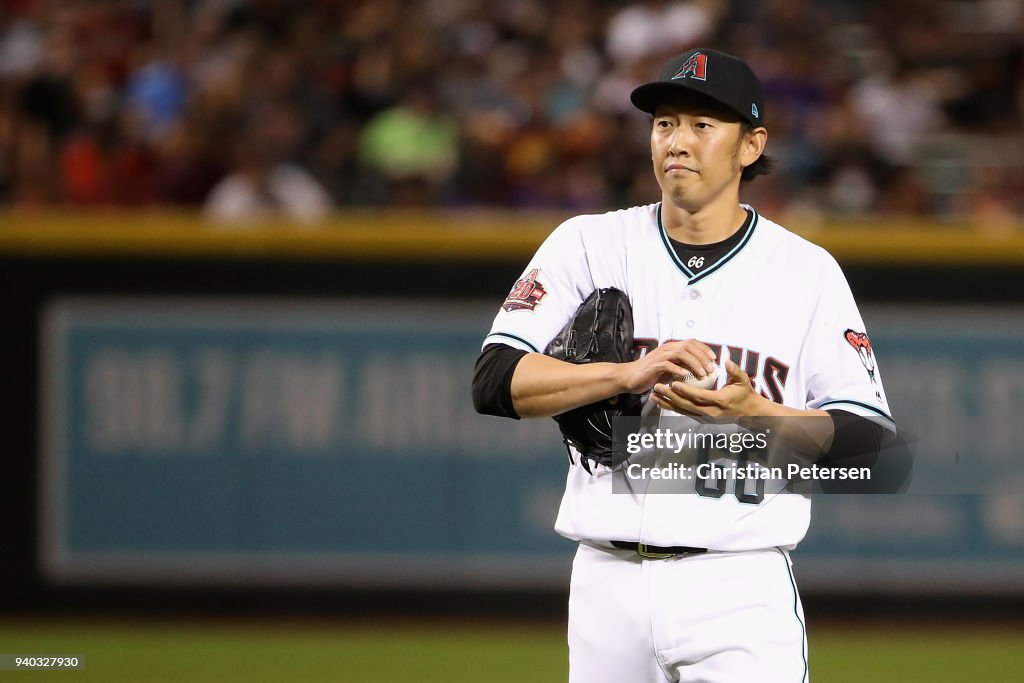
681	142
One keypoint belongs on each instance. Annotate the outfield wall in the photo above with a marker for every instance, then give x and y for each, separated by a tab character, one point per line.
234	411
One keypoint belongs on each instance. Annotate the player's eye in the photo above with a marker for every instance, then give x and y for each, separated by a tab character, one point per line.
703	125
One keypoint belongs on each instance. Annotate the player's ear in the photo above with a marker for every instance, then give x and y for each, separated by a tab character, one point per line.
752	144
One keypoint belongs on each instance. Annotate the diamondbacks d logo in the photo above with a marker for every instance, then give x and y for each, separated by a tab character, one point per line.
862	345
695	67
526	293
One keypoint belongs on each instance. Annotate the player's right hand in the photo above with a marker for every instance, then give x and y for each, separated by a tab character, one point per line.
668	361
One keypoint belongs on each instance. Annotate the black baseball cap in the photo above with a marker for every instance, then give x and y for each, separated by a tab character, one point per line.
720	76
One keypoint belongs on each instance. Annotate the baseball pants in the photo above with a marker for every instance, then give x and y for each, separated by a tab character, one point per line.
717	617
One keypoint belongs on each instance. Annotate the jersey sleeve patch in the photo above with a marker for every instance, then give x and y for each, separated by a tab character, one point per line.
862	345
526	294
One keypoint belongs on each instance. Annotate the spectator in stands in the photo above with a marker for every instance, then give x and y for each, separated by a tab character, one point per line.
264	184
412	146
879	106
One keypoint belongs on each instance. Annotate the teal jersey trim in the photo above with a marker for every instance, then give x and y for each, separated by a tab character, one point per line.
692	277
512	336
865	406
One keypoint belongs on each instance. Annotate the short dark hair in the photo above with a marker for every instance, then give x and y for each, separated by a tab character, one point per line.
764	163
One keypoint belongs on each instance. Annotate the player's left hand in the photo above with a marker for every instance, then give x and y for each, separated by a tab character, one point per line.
736	399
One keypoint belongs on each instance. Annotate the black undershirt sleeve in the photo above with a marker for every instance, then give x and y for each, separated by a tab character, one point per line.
492	380
860	442
857	440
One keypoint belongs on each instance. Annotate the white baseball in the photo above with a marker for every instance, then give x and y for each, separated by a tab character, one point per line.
707	382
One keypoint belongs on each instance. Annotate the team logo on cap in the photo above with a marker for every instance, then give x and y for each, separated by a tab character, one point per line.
695	67
526	293
753	110
862	345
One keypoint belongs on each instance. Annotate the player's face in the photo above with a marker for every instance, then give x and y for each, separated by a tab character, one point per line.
699	150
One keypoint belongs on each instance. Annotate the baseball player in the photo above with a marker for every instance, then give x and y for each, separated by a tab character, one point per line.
690	587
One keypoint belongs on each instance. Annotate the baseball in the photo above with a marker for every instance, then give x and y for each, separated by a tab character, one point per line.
708	381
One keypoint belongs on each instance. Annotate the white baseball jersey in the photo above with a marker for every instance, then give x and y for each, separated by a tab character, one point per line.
776	304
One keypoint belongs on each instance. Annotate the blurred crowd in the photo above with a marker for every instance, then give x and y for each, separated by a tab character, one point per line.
251	107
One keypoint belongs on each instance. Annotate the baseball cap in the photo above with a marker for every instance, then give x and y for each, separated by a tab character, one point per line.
720	76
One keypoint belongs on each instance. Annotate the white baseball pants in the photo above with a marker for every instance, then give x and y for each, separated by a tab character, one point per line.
715	618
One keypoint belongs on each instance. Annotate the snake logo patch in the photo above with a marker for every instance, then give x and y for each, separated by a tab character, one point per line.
526	293
862	345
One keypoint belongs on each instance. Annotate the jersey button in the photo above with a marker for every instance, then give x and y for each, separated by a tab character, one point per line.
694	294
690	323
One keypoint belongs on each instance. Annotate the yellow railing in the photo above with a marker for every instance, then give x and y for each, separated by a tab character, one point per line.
454	235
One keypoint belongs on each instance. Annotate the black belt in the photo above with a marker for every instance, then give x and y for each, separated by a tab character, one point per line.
656	551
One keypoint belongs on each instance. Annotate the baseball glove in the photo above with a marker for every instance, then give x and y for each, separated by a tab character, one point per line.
601	331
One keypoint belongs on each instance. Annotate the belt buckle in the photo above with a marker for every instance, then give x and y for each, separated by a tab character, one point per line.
642	551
